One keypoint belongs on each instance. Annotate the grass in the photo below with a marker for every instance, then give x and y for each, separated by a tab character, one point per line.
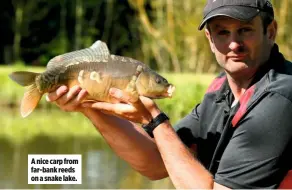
190	89
53	123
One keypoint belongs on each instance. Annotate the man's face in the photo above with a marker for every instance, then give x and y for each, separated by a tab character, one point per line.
240	47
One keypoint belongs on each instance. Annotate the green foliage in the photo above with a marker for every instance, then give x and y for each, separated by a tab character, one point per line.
163	34
169	34
284	18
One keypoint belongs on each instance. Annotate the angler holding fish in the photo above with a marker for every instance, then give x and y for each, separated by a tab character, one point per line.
238	137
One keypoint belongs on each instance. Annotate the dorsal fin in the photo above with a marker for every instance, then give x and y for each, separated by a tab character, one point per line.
95	53
100	47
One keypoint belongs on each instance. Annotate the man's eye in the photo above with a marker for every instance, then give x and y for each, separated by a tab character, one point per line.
244	30
223	32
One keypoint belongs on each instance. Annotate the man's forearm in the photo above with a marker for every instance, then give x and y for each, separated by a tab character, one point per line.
130	142
183	168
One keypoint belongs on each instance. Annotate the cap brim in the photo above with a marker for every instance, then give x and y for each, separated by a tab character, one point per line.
236	12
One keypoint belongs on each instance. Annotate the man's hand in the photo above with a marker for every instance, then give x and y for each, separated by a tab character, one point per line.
68	99
141	111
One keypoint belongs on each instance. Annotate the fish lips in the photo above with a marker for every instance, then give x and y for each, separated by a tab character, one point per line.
168	93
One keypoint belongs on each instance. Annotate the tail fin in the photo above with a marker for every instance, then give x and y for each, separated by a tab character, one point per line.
32	95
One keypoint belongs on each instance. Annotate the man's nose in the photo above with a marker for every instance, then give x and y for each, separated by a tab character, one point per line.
235	42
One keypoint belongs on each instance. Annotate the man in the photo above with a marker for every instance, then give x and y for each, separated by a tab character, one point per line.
241	132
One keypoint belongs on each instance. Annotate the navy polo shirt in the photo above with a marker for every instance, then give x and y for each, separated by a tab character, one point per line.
245	145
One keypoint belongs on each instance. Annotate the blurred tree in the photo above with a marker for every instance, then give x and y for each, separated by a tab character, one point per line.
284	18
78	23
24	16
169	35
161	33
18	7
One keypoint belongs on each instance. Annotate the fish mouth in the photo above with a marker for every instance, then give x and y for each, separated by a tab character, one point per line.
169	92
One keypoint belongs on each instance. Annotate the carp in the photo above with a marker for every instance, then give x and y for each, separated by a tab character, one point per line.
95	70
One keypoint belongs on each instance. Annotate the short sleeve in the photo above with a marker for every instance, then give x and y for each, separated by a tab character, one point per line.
257	155
188	127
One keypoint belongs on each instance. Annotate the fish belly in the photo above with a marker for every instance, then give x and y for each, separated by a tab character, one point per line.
97	79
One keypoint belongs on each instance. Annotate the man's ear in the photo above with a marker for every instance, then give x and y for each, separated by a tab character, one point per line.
209	37
272	31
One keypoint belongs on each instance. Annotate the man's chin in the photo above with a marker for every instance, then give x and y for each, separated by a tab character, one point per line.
241	72
238	69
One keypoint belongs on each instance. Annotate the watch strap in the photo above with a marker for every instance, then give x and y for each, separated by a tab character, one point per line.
160	118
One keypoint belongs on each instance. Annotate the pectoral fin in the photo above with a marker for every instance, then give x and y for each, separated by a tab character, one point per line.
131	87
30	100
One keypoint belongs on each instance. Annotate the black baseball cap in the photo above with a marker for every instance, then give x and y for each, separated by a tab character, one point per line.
244	10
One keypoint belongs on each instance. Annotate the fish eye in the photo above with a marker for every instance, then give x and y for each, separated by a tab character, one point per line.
158	80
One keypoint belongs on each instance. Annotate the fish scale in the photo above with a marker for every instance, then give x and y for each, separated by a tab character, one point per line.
117	78
96	71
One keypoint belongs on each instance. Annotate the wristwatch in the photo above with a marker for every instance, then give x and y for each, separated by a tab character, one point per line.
160	118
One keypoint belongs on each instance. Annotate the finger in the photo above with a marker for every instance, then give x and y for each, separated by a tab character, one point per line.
53	96
109	107
104	106
75	101
119	95
124	111
147	101
82	95
72	93
149	105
